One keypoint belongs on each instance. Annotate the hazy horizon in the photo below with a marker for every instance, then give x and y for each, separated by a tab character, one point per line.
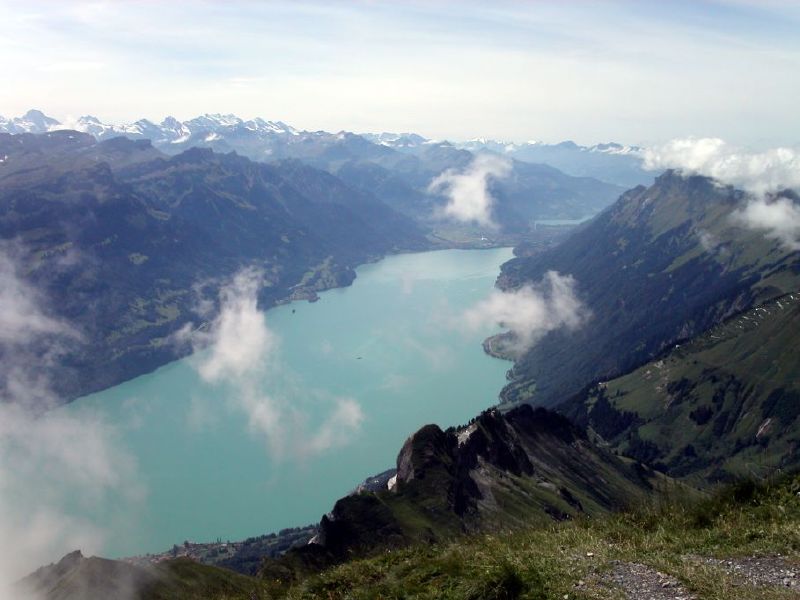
632	72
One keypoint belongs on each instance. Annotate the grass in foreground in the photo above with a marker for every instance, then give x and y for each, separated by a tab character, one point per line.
547	563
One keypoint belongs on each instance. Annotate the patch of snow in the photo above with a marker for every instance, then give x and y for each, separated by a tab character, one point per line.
464	434
392	483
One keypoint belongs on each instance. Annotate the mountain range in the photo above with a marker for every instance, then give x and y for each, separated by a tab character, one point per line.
611	162
684	373
261	139
144	212
660	266
687	367
118	236
402	166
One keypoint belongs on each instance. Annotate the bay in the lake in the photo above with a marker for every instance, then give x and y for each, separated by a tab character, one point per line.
390	342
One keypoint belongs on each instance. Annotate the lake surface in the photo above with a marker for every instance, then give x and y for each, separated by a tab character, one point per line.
391	342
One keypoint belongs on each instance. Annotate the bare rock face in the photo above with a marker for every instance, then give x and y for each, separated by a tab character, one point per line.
427	447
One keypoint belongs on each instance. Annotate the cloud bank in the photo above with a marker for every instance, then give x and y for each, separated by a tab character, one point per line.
29	337
239	353
530	312
756	172
56	465
761	174
778	218
467	191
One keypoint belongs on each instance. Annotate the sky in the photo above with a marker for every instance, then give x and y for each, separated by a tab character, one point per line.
630	71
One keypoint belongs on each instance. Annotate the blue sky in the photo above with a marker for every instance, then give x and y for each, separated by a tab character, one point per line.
636	71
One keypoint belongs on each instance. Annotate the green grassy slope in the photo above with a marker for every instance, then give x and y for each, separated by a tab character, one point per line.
726	403
573	559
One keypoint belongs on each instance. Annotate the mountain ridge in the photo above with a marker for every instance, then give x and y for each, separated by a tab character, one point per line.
118	235
646	267
260	139
499	472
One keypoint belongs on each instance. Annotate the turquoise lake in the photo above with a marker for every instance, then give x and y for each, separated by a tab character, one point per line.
391	342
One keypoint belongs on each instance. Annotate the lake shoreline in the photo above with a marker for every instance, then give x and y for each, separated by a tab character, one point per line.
414	370
343	278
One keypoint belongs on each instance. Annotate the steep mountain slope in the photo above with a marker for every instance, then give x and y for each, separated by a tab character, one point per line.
27	157
727	403
117	239
738	543
500	471
661	265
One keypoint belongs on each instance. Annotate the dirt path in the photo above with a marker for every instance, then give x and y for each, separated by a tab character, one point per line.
640	582
765	571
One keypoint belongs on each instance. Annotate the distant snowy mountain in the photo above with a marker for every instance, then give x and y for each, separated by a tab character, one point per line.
33	121
259	139
610	162
561	181
209	127
398	141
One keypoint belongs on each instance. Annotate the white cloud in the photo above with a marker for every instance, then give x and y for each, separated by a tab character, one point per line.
532	311
777	218
468	196
239	353
51	462
339	427
56	465
21	318
758	173
241	339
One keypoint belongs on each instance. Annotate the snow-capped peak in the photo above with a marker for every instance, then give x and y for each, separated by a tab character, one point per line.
33	121
170	130
214	121
395	140
260	125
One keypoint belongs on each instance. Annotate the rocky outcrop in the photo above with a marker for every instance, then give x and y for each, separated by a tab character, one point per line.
526	466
